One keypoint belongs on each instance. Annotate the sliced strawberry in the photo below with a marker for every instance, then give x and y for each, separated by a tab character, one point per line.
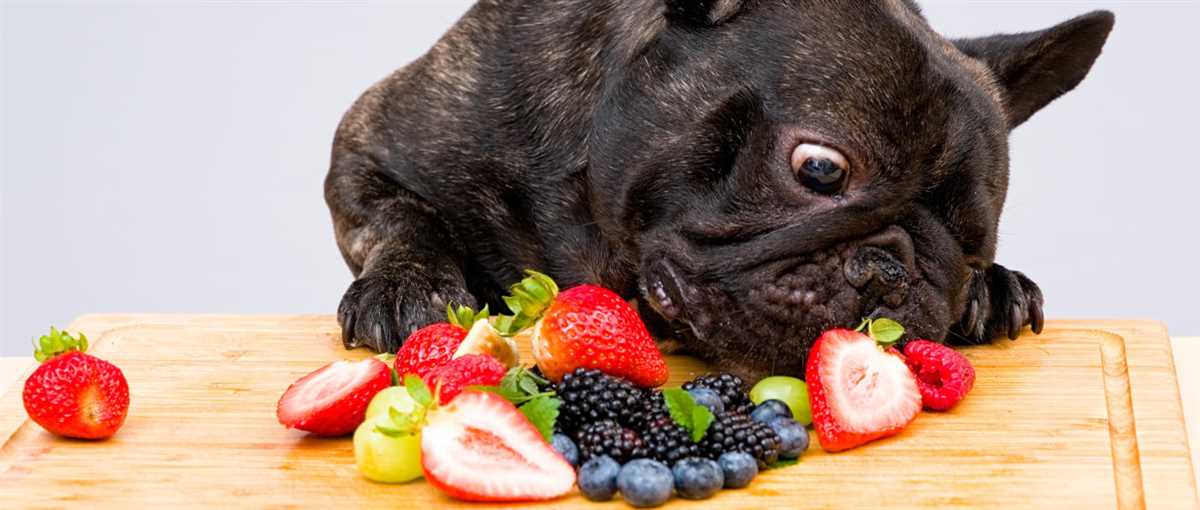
481	448
332	401
471	370
858	392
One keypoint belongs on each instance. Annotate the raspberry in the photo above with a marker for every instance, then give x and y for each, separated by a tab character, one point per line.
607	437
730	387
943	375
470	370
733	432
589	396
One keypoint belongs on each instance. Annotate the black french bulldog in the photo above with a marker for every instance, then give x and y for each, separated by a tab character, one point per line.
756	171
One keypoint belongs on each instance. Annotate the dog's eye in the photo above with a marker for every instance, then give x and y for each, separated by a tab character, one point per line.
820	168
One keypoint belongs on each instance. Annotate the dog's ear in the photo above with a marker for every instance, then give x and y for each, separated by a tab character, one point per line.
1035	68
703	12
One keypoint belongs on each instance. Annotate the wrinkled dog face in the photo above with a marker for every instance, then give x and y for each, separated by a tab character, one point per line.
787	166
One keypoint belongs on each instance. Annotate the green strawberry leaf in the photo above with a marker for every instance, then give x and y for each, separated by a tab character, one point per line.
542	412
418	390
886	331
687	413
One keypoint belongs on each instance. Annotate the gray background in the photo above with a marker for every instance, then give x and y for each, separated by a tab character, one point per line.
169	157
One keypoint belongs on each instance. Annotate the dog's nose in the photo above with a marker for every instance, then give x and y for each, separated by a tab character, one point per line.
880	268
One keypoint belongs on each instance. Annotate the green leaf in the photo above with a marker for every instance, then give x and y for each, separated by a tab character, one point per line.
528	385
687	413
782	463
701	419
886	331
679	404
542	412
418	390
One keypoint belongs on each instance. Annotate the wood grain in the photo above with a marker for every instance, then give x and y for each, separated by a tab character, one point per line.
1122	429
1034	433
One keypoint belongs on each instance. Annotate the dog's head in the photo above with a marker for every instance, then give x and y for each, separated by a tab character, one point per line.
781	167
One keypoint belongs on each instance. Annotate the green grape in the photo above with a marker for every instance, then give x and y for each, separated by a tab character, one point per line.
790	390
394	396
384	458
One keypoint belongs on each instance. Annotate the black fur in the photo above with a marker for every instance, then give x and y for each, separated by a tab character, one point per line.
645	145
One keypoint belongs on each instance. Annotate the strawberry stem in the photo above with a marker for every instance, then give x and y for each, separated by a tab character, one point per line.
886	332
528	299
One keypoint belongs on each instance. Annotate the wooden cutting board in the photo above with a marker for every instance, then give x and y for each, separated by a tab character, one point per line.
1087	415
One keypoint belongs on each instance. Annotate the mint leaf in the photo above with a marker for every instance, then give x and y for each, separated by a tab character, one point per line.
886	331
679	404
528	385
687	413
782	463
418	390
701	419
542	412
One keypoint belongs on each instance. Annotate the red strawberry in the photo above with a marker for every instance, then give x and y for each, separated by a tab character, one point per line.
435	345
333	400
858	392
471	370
944	376
583	327
74	394
481	448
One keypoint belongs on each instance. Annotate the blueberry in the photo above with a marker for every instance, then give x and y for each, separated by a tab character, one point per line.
769	410
738	468
793	437
598	478
565	447
697	478
708	398
645	483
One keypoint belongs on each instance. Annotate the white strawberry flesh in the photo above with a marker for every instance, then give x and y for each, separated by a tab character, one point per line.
481	448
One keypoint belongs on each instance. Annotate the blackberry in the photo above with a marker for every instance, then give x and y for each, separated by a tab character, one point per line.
732	432
590	396
730	387
666	441
646	411
607	437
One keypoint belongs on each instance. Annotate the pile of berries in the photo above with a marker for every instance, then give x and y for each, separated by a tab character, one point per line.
624	438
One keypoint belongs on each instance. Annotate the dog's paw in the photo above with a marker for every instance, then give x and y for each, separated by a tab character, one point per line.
380	312
999	303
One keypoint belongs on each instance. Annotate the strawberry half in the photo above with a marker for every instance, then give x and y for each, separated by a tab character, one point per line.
858	391
481	448
332	401
582	327
74	394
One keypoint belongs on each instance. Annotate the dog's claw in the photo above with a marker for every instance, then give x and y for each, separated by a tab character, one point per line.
1015	321
1000	303
379	312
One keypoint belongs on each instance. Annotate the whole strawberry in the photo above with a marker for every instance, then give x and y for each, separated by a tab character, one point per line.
582	327
436	344
944	375
74	394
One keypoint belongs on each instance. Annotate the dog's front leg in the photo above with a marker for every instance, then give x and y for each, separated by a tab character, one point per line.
408	265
